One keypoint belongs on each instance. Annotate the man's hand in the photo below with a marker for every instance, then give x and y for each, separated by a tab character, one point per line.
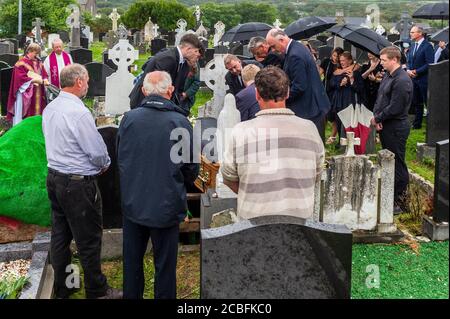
378	126
46	82
344	81
104	169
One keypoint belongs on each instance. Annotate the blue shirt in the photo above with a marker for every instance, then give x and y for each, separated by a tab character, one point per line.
72	143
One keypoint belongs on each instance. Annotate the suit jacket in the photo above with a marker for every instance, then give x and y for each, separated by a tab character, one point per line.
235	86
307	98
420	61
169	61
246	103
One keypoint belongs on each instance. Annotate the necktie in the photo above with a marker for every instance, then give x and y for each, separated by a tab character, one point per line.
416	45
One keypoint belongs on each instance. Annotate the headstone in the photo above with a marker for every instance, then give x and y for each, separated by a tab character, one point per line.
181	24
315	43
171	36
112	38
219	28
38	24
322	38
213	74
52	37
81	56
330	41
73	21
198	16
86	32
208	56
122	32
201	32
437	118
157	45
107	61
21	40
9	59
101	36
350	142
5	81
441	181
221	49
84	42
277	24
143	48
108	182
114	16
15	43
281	257
64	36
325	52
98	72
155	31
120	83
5	48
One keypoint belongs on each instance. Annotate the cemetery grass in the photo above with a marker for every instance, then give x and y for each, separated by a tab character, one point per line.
418	271
188	275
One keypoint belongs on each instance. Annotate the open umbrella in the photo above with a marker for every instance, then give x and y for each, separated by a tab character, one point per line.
245	31
363	38
441	35
432	11
356	118
307	27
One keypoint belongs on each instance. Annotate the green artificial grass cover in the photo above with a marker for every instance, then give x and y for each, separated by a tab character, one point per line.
23	172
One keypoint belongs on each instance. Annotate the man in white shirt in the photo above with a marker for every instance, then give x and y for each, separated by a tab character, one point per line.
56	61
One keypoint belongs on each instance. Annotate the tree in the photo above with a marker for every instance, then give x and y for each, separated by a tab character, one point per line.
50	11
256	12
97	25
164	13
214	12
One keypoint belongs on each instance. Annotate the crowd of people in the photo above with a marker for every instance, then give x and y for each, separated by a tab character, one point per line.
283	87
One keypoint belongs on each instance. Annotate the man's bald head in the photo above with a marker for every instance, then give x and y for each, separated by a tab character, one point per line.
158	83
57	46
277	40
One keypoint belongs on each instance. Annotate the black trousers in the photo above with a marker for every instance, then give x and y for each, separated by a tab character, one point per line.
76	214
393	137
419	99
319	122
165	252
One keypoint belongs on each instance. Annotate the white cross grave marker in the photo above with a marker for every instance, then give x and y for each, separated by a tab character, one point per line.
350	142
219	31
114	16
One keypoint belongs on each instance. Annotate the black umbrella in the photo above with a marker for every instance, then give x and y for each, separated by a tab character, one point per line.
432	11
245	31
307	27
363	38
441	35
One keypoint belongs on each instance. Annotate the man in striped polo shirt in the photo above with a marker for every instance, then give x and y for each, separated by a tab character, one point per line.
272	161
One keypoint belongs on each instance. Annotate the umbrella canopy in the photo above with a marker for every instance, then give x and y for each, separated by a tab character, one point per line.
432	11
307	27
245	31
363	38
441	35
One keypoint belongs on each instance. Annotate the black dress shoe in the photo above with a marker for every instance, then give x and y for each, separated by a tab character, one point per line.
112	293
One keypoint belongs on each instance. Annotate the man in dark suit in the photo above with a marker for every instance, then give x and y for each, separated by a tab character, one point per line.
233	78
307	96
174	62
246	102
420	55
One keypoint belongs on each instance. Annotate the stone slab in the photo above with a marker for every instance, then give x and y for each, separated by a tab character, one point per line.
433	230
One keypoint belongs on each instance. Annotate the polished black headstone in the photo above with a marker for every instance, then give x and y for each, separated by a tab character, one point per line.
64	36
101	35
171	36
10	59
109	183
276	257
157	45
84	42
437	118
208	56
15	43
21	40
98	72
441	180
5	81
81	56
5	47
393	37
108	61
237	48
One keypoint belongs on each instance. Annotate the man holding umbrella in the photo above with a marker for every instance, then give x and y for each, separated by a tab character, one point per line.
391	117
307	96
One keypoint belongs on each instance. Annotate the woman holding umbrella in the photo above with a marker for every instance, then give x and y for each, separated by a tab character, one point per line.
348	87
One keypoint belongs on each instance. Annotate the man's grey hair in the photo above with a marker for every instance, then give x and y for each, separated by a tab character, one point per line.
72	72
159	85
230	57
56	41
255	43
277	33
